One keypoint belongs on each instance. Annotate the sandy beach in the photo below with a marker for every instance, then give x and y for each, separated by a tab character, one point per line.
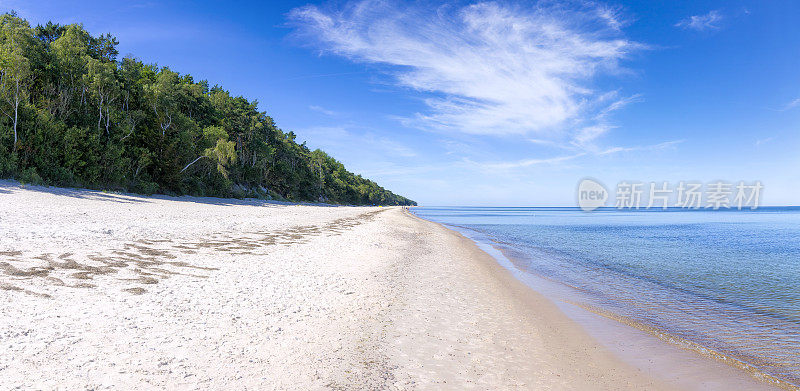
399	195
104	290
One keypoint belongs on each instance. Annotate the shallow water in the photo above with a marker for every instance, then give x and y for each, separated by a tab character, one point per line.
726	283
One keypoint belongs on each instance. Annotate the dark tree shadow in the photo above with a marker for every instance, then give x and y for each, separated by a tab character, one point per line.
10	186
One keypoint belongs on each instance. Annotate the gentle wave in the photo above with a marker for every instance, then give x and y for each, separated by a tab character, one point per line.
724	284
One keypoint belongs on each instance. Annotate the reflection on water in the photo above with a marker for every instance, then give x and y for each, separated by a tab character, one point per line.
725	280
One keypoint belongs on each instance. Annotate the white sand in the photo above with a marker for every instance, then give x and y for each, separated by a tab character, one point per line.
115	291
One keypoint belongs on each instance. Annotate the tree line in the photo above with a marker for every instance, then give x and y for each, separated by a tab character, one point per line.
73	114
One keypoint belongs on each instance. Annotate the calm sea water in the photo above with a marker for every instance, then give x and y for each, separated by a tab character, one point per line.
726	283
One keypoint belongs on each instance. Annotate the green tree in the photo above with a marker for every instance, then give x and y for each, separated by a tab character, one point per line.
104	87
220	151
70	53
90	120
15	71
163	97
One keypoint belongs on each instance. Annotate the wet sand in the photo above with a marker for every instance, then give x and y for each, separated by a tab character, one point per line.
659	355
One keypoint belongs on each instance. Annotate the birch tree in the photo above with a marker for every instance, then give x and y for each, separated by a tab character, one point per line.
163	96
15	70
65	97
220	151
131	87
104	87
71	54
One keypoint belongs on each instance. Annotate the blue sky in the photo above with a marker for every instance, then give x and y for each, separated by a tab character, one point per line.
496	103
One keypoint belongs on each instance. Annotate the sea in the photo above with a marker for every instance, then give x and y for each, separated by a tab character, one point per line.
724	283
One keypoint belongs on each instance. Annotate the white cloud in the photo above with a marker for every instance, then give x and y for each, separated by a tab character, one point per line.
527	162
352	140
617	103
792	104
611	16
585	137
759	142
701	22
487	68
323	110
654	147
558	160
548	143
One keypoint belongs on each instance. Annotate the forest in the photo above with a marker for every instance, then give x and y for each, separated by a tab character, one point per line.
73	114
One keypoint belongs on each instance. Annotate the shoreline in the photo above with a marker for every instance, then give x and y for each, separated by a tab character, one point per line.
597	366
682	363
119	291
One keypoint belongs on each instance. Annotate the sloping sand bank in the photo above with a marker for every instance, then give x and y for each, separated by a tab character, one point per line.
102	290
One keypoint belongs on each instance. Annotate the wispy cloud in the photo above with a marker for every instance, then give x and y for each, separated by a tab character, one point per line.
486	68
705	22
762	141
791	105
323	110
654	147
585	137
143	4
352	139
559	160
527	162
321	75
548	143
